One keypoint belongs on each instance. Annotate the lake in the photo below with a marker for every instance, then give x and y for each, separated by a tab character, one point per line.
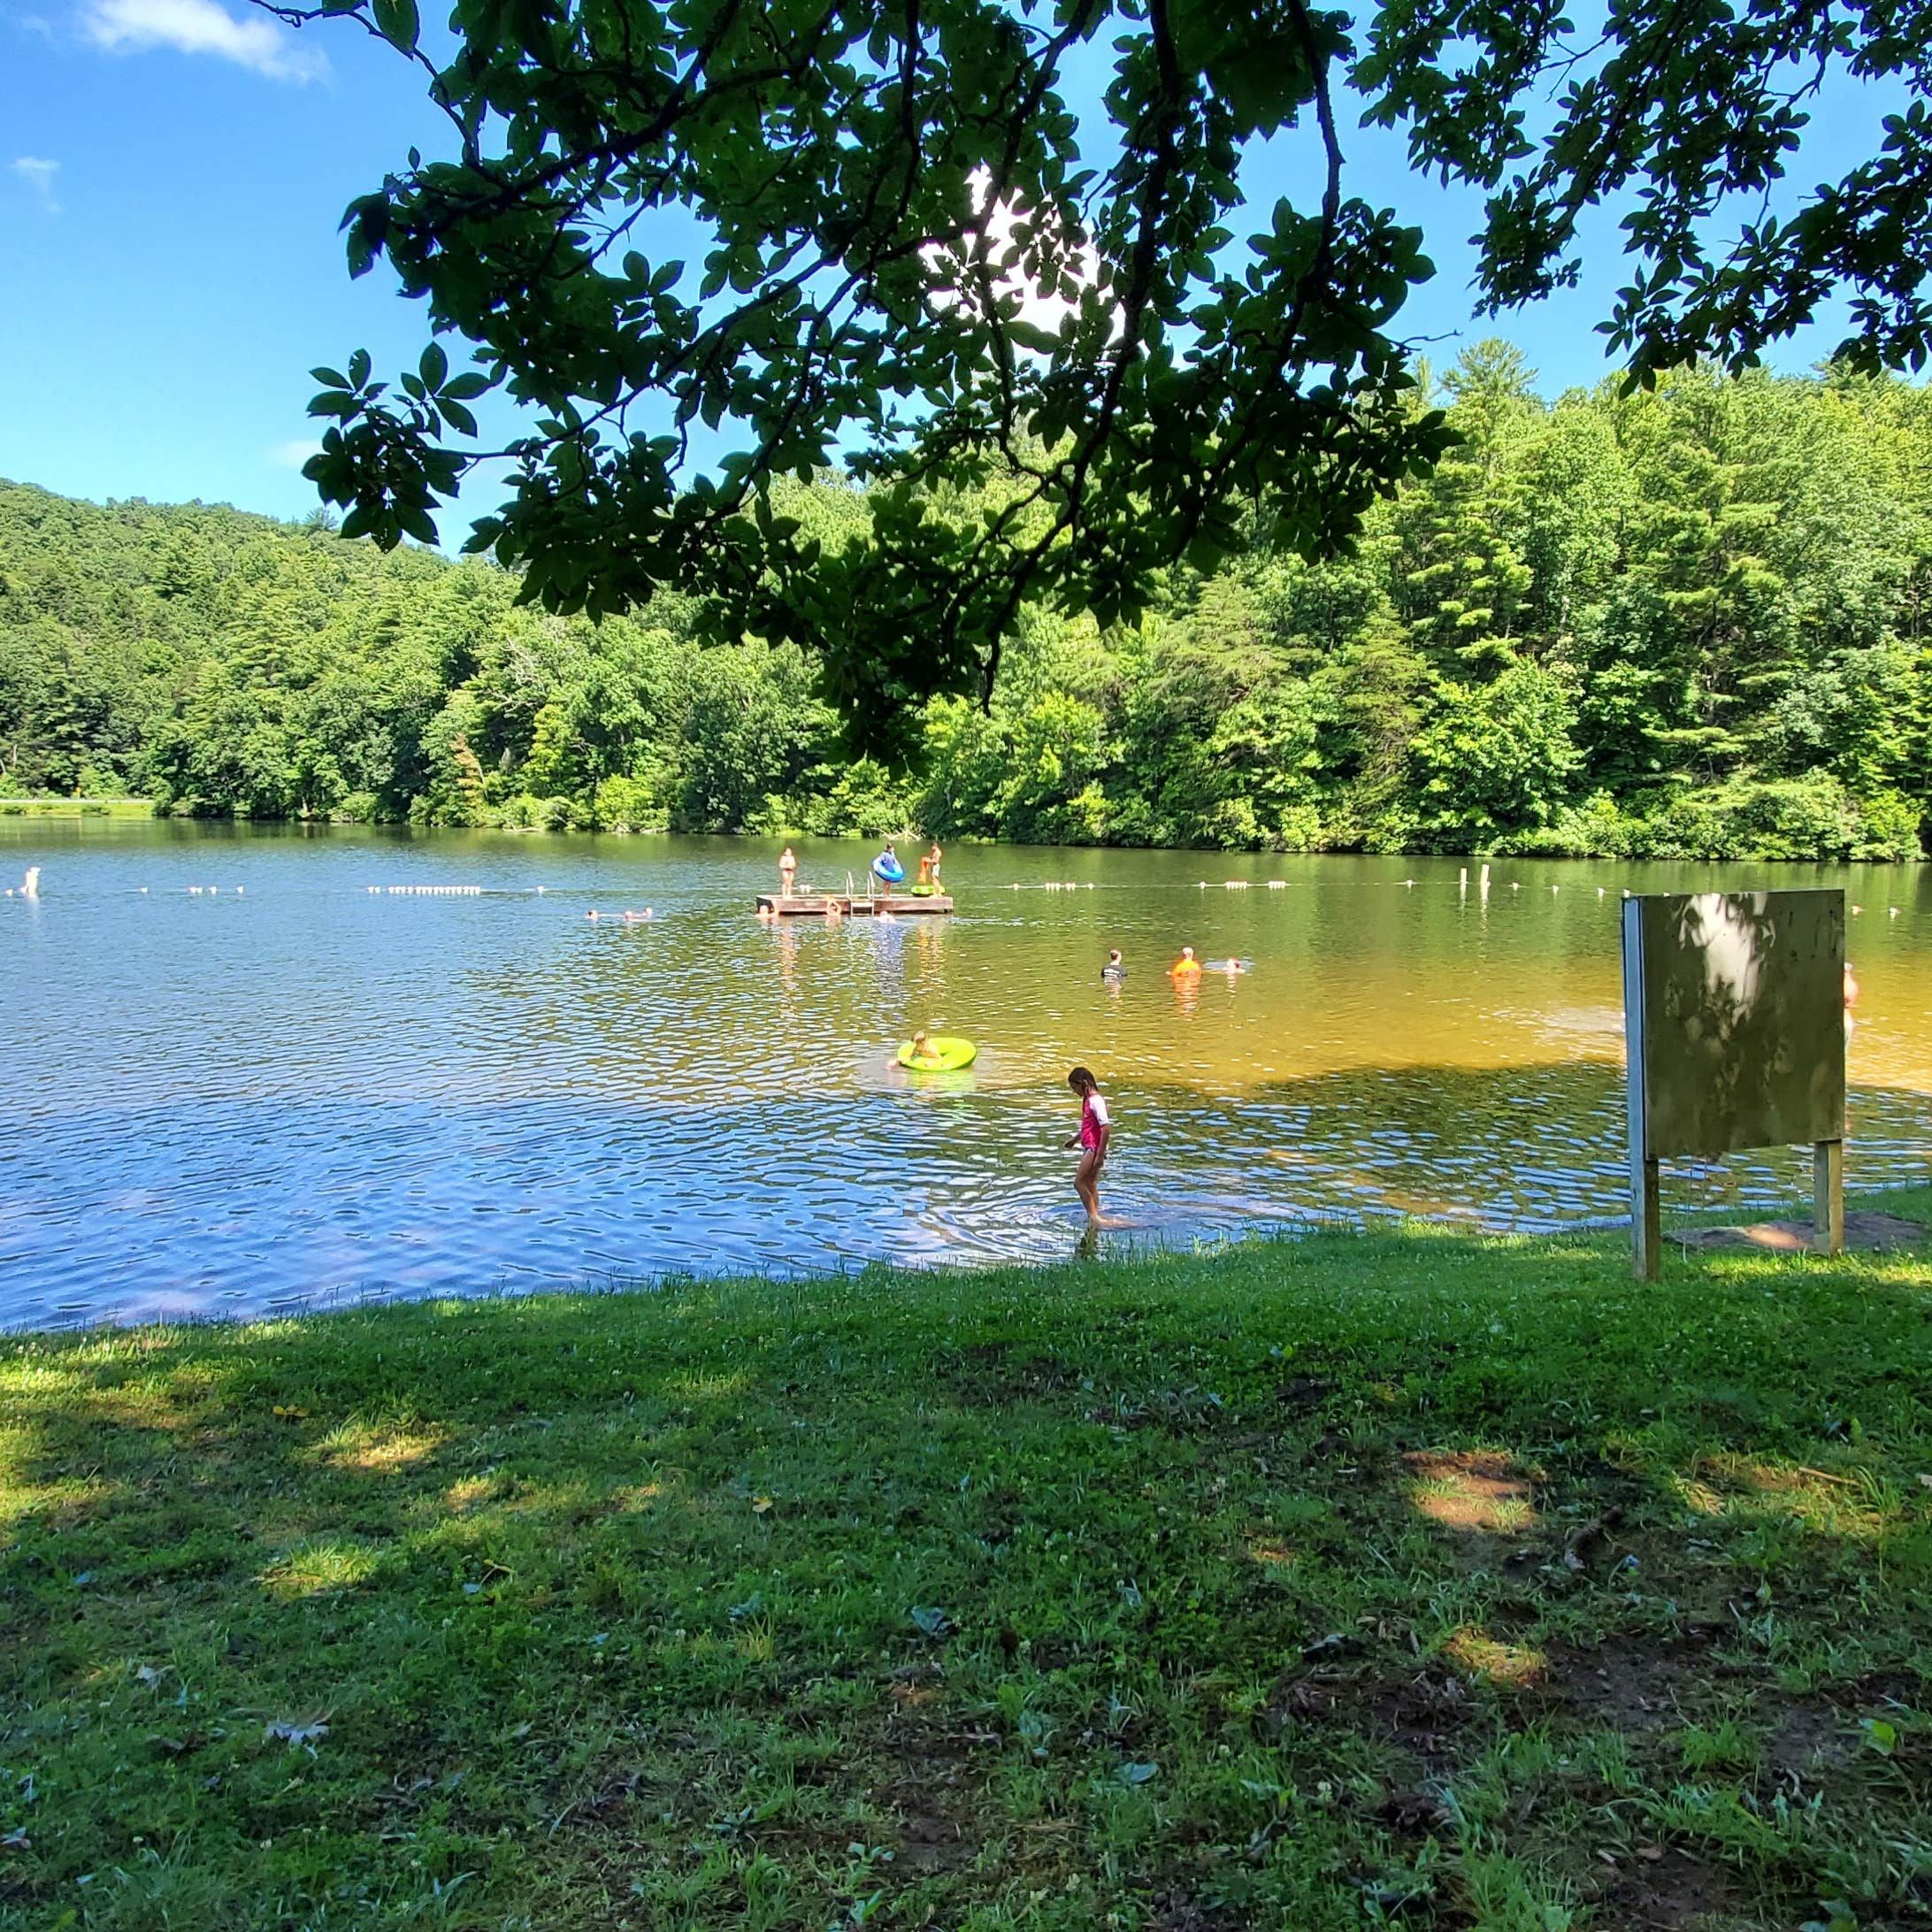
286	1090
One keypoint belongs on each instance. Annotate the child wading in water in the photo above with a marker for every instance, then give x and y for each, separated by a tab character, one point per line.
1091	1140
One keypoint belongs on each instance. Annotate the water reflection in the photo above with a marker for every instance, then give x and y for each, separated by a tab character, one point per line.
236	1101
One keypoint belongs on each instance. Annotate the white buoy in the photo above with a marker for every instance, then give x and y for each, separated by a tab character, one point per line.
143	888
1599	892
540	891
1893	910
1278	884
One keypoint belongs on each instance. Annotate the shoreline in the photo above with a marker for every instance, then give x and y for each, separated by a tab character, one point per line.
1598	1236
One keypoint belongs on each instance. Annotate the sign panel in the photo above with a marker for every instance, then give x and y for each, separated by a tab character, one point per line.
1734	1019
1741	1025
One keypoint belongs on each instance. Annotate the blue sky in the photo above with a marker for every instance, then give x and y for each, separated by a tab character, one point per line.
172	177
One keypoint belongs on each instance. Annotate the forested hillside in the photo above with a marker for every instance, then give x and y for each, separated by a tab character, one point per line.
1690	622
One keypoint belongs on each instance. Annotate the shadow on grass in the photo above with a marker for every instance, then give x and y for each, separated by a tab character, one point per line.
1462	1580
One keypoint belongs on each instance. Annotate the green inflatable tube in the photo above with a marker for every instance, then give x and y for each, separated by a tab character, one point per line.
949	1055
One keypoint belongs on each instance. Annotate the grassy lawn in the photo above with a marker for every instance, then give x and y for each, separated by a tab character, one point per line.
76	807
1412	1579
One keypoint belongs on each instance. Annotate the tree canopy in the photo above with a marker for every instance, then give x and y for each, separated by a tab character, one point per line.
1685	623
902	233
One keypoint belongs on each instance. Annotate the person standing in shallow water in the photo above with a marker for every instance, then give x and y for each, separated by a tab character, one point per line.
1095	1132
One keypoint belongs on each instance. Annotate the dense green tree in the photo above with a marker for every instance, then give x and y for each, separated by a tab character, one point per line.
976	242
1686	621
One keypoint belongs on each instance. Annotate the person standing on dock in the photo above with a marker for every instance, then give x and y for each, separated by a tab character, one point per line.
787	871
886	872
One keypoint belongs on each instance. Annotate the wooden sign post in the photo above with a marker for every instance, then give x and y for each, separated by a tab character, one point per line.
1734	1022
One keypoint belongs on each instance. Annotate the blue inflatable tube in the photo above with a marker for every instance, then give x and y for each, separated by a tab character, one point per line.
889	869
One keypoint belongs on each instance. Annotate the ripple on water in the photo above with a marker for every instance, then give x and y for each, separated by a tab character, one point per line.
314	1094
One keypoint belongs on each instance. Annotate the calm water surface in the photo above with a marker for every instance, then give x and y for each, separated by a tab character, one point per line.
291	1089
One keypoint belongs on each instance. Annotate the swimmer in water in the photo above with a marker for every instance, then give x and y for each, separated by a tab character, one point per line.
1187	967
1095	1131
1114	971
923	1053
1851	999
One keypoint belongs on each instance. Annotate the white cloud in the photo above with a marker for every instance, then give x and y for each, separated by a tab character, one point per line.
201	27
292	454
39	176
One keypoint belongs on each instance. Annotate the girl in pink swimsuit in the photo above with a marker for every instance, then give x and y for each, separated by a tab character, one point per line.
1092	1139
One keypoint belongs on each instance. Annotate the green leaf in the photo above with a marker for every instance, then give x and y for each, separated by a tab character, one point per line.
358	368
434	367
396	20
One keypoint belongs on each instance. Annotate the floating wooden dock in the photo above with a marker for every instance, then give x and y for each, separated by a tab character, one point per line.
817	905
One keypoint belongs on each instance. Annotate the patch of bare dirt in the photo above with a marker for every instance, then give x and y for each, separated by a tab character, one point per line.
1304	1393
1810	1736
934	1835
989	1375
1413	1814
934	1801
1631	1683
1864	1229
1172	1911
1664	1886
1423	1713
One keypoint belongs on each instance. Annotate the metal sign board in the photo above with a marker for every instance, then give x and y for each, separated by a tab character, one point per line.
1734	1021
